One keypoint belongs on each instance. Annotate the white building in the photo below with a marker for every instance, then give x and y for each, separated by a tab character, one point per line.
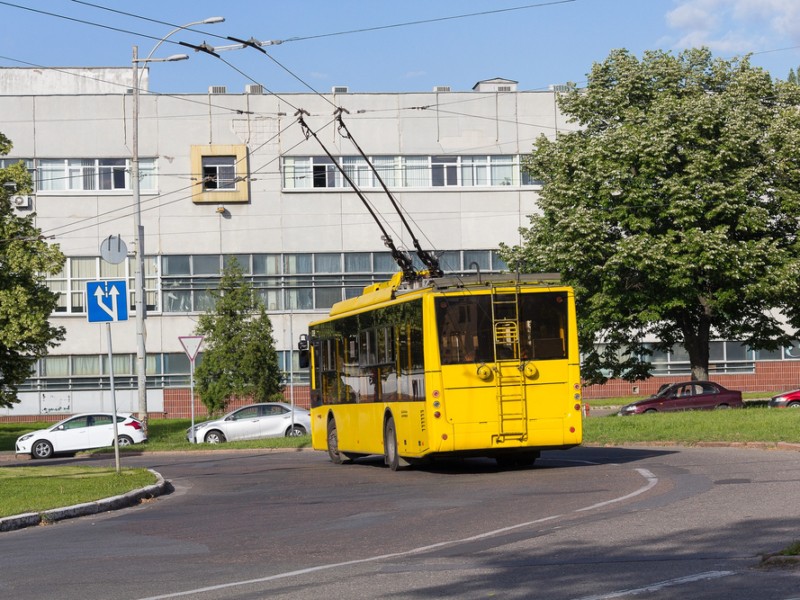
227	174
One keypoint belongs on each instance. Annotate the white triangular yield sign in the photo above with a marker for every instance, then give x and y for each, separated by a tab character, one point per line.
191	345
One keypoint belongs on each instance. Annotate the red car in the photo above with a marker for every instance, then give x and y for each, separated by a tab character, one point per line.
786	400
689	395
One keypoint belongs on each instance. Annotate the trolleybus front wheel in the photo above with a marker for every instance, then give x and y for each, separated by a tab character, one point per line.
390	453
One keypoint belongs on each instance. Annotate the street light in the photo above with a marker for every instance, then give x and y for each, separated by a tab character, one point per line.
141	306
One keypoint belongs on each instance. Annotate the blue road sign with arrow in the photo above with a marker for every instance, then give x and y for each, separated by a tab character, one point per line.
107	301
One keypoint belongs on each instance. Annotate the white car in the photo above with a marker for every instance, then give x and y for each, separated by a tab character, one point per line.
265	420
81	432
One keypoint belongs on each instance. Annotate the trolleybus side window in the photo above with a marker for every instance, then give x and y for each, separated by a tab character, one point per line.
376	356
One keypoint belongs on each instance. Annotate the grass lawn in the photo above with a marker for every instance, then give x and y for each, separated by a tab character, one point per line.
36	489
691	427
35	486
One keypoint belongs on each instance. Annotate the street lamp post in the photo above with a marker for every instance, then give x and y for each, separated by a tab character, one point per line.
140	304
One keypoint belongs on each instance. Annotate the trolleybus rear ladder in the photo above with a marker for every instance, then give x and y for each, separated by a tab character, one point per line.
509	380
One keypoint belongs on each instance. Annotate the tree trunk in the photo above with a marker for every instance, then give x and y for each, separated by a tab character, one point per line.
696	341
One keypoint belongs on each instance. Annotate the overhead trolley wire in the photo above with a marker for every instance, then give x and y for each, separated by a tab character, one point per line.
428	259
402	259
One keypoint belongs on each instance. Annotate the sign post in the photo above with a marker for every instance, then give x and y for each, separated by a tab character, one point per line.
191	345
107	301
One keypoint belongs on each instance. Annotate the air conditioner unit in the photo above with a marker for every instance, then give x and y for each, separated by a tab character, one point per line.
22	202
441	88
339	89
217	89
254	88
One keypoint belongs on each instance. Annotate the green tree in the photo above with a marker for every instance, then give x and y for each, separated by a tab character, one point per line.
672	208
239	358
25	300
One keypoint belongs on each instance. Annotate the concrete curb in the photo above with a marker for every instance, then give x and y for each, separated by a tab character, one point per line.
161	486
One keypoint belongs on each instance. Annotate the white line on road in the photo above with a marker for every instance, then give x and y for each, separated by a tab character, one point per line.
661	585
651	481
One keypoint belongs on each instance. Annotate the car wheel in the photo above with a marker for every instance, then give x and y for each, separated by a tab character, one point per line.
650	410
124	440
333	443
793	405
41	449
295	431
215	437
391	455
722	406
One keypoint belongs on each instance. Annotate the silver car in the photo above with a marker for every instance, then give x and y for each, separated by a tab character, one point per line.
265	420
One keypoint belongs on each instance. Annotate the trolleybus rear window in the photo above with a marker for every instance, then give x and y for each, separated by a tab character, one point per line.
485	328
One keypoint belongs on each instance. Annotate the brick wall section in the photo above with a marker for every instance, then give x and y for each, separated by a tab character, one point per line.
177	403
769	377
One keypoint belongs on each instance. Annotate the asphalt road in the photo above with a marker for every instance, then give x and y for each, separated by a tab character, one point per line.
589	523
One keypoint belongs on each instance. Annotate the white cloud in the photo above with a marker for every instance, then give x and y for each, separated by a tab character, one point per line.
735	26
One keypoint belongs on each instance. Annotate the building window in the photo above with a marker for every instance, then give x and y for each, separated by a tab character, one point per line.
28	162
502	170
320	172
474	171
444	171
70	283
326	175
302	281
219	173
93	174
416	172
113	174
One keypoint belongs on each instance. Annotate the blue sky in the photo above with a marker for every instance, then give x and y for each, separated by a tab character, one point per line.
535	43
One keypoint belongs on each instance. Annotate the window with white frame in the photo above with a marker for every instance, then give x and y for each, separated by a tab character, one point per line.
92	174
444	171
503	170
325	173
405	171
359	171
416	171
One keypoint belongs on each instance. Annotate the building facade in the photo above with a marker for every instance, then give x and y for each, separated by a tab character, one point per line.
233	175
227	175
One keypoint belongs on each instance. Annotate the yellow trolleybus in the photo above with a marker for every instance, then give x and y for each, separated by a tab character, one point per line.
477	365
